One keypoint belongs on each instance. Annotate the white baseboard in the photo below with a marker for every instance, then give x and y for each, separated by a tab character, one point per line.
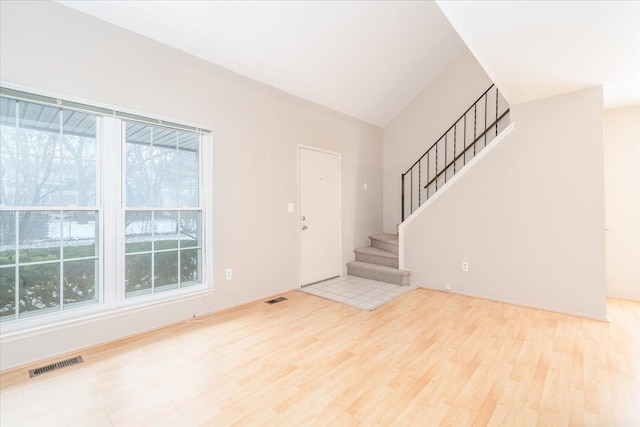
523	304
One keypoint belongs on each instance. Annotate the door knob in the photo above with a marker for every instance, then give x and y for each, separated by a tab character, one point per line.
304	227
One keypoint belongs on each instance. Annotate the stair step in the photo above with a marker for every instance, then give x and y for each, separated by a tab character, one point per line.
377	256
378	272
385	241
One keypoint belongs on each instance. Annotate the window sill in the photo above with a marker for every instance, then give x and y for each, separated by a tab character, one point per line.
11	331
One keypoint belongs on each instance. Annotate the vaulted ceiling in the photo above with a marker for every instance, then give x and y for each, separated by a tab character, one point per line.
536	49
369	59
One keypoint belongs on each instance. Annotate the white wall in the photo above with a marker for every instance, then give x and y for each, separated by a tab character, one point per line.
528	217
256	130
424	120
622	201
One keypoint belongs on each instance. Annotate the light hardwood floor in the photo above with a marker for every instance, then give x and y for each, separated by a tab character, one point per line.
426	359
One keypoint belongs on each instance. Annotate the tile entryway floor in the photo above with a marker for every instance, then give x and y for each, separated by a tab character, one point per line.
357	292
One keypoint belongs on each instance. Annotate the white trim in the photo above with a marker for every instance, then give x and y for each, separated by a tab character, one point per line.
93	317
156	296
486	150
49	208
160	208
319	150
623	297
299	149
122	299
299	213
522	304
60	312
102	105
110	208
9	362
206	202
52	318
111	211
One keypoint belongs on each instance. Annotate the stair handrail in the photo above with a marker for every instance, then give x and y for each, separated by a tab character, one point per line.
463	154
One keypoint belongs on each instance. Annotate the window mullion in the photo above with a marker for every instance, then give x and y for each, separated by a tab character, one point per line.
153	251
153	212
16	278
61	214
112	206
179	231
204	202
61	268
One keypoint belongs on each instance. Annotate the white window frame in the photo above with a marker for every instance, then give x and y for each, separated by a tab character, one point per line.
122	300
111	210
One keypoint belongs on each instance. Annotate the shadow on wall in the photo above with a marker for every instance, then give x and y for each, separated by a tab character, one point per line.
622	201
367	215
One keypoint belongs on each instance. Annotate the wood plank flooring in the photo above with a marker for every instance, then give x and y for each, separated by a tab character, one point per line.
426	359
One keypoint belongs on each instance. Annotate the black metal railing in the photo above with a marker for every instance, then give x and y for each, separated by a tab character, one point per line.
455	148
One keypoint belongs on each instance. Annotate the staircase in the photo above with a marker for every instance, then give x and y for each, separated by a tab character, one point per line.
469	135
379	261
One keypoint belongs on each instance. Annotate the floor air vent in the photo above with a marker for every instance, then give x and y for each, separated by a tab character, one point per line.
275	300
54	366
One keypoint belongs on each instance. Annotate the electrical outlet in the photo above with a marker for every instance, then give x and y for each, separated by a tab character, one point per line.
229	274
465	266
447	287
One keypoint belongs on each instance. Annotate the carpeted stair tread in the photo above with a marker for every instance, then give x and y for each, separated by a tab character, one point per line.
378	272
376	256
386	242
370	250
386	237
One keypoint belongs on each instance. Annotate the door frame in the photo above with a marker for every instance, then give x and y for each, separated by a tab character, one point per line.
299	149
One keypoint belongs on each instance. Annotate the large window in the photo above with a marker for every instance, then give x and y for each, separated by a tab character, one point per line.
61	192
163	215
50	217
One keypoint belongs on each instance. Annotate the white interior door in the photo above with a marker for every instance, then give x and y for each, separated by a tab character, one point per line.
319	215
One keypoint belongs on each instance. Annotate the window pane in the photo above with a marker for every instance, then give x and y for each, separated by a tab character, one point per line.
8	162
166	270
79	230
137	274
165	230
190	229
79	283
165	185
7	237
189	267
138	231
31	165
40	233
138	133
162	166
7	112
78	177
188	141
49	244
81	126
165	138
187	173
37	117
139	174
43	164
7	293
39	287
